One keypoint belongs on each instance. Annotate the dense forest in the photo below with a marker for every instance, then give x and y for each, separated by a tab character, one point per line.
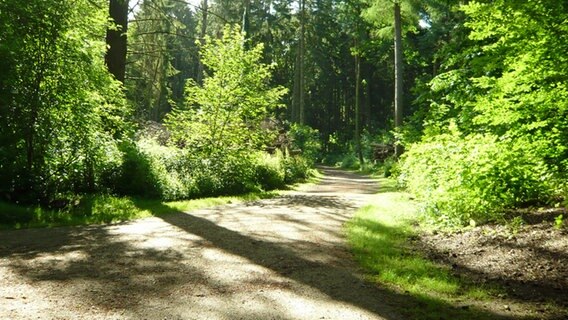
465	102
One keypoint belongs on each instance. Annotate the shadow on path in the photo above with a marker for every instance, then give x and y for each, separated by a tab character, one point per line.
132	278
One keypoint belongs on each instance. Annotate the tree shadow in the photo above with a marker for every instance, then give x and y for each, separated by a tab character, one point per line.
341	282
153	269
535	275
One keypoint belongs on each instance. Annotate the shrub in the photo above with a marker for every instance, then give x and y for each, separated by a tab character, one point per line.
270	172
152	171
296	169
476	177
307	140
350	161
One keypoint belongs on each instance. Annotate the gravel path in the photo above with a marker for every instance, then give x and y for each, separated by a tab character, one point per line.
281	258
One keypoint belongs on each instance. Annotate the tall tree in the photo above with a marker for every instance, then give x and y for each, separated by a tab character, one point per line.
61	111
398	98
203	32
299	95
389	15
116	39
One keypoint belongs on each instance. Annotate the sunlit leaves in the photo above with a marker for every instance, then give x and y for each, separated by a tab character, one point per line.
226	112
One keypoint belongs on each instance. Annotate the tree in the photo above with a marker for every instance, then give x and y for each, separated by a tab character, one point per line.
162	54
225	114
116	39
377	14
202	34
62	113
398	98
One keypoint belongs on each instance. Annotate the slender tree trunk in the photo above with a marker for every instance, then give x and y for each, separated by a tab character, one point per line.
116	39
398	99
358	105
367	88
298	95
294	114
246	19
204	9
302	57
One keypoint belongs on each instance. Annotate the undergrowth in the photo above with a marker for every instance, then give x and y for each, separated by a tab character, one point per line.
380	235
101	209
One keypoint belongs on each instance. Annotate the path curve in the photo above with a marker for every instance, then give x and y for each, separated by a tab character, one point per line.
281	258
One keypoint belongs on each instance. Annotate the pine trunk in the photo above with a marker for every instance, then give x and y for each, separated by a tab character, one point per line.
398	99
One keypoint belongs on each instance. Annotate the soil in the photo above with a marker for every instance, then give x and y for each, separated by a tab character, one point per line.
526	260
280	258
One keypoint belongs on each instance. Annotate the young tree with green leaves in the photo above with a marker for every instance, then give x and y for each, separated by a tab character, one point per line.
225	114
62	114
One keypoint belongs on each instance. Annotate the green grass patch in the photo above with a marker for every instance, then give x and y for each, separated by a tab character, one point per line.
379	235
99	209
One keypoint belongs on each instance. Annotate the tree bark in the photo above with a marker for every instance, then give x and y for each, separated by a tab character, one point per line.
358	105
116	39
398	99
246	19
301	65
204	10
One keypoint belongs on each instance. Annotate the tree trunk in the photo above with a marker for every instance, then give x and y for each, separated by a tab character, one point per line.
116	39
204	9
398	99
358	105
301	65
246	19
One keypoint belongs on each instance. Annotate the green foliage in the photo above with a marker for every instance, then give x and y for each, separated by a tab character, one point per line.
62	113
296	169
503	93
559	221
153	171
307	140
474	177
380	234
224	115
270	171
350	161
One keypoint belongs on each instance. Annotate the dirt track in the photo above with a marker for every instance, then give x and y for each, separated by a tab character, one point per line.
282	258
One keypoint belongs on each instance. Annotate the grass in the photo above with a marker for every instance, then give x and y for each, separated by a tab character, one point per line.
100	209
379	235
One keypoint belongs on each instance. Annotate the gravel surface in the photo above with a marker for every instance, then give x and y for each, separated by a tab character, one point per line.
281	258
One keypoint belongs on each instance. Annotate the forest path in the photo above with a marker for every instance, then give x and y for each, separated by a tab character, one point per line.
280	258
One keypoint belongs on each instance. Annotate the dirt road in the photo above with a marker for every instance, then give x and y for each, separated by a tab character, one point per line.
281	258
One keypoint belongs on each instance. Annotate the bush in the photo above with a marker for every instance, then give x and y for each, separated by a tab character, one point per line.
350	161
296	169
150	170
270	172
476	177
307	140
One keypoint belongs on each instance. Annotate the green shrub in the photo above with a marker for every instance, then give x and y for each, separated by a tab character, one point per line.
350	161
307	140
296	169
150	170
270	173
476	177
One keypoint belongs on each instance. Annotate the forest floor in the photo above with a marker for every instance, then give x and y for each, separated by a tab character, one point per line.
527	261
280	258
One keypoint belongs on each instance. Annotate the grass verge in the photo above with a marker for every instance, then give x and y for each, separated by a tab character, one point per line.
99	209
379	235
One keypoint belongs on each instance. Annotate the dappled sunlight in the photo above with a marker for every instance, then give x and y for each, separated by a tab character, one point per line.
281	258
